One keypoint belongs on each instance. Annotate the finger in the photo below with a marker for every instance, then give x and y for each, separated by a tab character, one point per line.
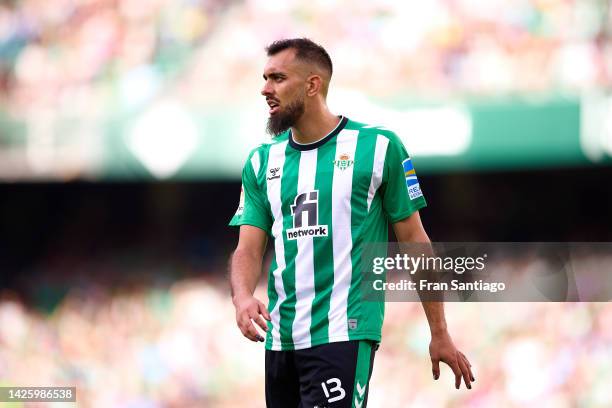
466	359
464	372
435	368
245	332
264	311
256	317
454	365
249	330
469	367
261	323
253	331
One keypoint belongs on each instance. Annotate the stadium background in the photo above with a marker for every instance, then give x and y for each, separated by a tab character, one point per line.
123	130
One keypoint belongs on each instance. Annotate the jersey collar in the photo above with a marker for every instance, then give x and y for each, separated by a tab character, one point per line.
320	142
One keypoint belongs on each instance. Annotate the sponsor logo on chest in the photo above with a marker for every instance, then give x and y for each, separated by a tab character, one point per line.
305	212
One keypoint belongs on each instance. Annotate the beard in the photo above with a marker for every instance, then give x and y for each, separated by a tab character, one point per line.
286	118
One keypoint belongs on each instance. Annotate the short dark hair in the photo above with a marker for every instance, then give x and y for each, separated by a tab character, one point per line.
305	49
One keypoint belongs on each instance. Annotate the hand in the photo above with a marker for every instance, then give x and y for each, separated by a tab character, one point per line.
249	310
442	349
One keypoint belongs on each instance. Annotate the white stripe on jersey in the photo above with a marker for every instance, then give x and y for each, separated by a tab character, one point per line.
277	159
255	163
380	152
304	259
342	187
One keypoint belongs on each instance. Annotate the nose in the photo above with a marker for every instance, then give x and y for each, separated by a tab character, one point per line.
267	89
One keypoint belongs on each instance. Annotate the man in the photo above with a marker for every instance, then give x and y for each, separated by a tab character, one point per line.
323	188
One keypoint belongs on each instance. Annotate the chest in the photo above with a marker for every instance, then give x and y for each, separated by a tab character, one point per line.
334	176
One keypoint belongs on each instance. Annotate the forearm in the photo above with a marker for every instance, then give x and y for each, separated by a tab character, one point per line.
245	271
435	317
412	232
434	310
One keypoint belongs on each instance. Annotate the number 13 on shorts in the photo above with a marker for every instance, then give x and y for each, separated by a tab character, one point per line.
330	393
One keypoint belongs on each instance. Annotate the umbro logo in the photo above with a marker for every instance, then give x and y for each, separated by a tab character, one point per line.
273	173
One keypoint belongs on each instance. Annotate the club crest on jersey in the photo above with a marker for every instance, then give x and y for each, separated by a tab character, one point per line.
343	161
412	183
305	212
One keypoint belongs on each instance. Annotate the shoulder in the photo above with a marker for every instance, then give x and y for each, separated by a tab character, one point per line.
373	130
262	149
258	155
258	150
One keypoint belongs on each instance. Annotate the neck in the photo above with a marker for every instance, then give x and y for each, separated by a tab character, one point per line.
314	125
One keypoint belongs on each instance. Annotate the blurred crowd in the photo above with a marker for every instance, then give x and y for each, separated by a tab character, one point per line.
77	74
140	347
444	47
75	55
178	346
92	56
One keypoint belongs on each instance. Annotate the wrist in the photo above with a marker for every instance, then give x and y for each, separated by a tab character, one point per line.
238	297
438	330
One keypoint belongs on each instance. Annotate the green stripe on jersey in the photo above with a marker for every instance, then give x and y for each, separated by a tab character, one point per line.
365	155
289	179
344	168
324	259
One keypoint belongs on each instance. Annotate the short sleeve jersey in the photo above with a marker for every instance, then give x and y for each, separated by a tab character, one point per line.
321	203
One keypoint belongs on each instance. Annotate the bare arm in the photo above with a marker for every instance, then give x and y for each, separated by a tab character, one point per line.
441	348
410	230
245	267
245	272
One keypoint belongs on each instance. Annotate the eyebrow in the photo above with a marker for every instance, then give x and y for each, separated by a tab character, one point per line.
274	75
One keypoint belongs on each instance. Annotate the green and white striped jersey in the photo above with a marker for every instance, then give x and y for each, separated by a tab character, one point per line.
321	203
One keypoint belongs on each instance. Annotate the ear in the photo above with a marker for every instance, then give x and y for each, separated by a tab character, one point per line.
313	85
